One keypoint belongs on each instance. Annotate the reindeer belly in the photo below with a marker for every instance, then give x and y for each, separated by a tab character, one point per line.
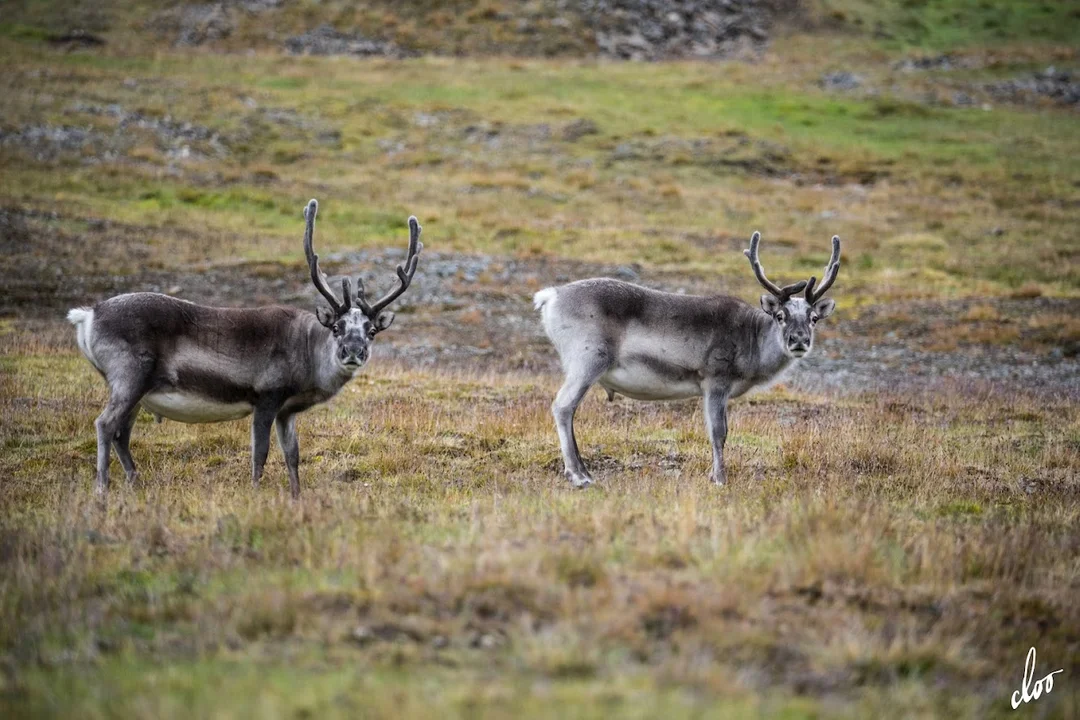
648	382
189	407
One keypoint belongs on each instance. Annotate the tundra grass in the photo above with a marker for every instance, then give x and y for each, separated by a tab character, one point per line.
675	166
952	24
868	555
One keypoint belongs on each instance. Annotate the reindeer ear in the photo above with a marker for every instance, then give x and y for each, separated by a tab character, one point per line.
385	320
824	307
771	304
325	315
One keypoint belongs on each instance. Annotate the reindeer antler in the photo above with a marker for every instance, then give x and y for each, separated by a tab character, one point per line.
405	273
782	293
830	274
317	276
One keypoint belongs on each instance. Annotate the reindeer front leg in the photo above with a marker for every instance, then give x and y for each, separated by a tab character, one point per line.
290	448
261	423
716	397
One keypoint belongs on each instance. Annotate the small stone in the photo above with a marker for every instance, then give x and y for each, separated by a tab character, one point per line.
578	129
841	80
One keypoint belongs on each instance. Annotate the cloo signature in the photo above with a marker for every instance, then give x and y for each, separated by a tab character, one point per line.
1032	691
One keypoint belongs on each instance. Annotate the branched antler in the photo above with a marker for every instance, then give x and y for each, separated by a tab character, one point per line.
405	273
782	293
831	270
317	276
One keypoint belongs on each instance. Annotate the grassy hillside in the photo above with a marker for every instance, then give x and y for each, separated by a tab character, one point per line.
900	521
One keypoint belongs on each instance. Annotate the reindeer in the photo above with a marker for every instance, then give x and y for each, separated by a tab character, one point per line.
652	345
197	364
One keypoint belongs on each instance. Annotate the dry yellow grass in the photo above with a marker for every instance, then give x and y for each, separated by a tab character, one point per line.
867	552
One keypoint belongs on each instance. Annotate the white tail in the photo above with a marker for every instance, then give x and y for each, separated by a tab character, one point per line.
83	320
544	301
543	297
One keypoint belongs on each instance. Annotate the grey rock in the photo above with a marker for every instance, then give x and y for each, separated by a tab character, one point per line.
578	129
1051	83
841	80
656	30
193	25
326	40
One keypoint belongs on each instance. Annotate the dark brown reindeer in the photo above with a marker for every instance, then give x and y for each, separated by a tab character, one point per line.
652	345
198	364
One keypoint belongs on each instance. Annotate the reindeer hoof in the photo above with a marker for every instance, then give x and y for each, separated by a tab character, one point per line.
581	480
718	479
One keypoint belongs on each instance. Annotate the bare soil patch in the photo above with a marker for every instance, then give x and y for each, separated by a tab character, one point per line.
475	311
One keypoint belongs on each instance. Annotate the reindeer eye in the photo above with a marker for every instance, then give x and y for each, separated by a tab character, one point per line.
780	316
371	332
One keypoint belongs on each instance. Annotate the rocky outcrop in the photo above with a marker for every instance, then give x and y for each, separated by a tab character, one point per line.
662	29
325	40
1056	85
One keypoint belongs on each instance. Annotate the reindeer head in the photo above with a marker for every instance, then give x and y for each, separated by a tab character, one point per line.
795	316
354	328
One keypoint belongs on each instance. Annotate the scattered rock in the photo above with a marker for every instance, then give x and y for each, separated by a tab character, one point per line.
529	137
175	137
724	155
49	142
306	127
945	61
384	632
257	7
362	635
624	151
579	129
325	40
654	30
485	641
1056	85
962	99
193	25
841	80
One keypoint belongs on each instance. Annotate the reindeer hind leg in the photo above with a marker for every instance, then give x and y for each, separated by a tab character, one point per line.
122	445
581	373
127	385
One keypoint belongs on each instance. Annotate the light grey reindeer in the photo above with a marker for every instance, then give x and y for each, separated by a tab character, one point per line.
198	364
652	345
